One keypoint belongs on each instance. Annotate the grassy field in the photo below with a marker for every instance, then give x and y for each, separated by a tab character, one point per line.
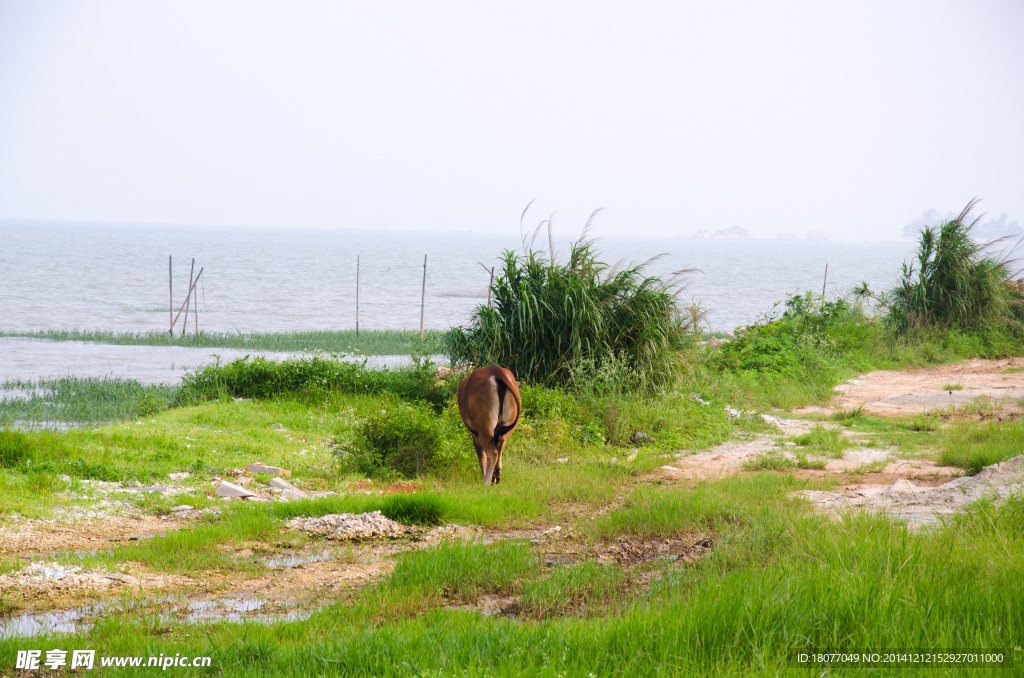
778	580
369	342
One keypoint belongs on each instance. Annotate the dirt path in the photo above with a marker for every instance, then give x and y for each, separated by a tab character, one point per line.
917	491
906	393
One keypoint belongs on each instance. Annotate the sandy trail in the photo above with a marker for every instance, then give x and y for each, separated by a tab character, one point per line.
906	393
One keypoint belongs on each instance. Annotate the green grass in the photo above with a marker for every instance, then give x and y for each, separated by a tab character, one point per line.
193	550
369	342
823	441
463	572
953	387
779	580
772	460
974	446
584	588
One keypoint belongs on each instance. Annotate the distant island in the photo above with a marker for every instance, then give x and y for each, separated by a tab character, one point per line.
734	233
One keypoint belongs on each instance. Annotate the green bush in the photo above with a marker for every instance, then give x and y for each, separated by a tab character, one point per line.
403	438
314	376
801	340
548	318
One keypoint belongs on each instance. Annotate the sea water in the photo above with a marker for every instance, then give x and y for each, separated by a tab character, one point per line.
115	277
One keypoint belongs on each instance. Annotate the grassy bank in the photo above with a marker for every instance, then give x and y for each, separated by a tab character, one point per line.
369	342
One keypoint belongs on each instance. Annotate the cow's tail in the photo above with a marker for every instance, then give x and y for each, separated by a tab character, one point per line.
503	388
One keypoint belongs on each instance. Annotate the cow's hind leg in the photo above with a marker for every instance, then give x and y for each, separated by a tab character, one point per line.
496	478
490	464
481	456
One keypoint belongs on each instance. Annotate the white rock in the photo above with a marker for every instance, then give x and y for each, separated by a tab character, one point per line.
182	507
161	489
226	489
283	484
293	494
179	476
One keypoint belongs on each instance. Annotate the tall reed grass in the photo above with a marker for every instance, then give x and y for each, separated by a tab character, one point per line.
956	281
551	317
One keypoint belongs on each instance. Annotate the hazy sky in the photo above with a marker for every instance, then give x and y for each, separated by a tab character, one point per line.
851	118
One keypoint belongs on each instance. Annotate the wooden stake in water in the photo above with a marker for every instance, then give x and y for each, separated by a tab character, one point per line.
188	297
357	296
182	307
423	298
490	286
170	284
824	282
196	312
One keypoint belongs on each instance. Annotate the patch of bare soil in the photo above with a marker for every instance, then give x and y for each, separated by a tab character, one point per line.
906	393
52	585
919	505
729	458
48	536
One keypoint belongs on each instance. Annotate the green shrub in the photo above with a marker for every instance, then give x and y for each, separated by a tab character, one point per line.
405	438
548	318
314	376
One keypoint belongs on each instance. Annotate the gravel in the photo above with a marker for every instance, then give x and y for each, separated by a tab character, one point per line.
349	526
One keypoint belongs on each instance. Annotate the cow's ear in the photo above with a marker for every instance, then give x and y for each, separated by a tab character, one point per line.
519	384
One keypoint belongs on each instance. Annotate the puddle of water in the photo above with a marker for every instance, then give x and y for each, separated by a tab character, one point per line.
293	559
56	555
187	611
24	625
135	537
42	623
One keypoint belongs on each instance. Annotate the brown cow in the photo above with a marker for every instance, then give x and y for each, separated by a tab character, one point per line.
490	405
